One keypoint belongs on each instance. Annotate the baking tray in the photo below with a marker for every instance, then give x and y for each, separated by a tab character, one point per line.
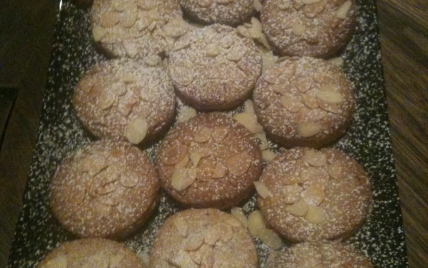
368	140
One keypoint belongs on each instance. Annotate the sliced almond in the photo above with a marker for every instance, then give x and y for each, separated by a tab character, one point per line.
98	33
308	129
283	5
330	96
338	61
116	258
176	28
194	241
185	113
129	179
310	100
327	252
182	260
256	223
213	234
112	199
109	19
175	153
146	4
315	158
223	2
291	193
92	164
236	53
101	209
300	208
212	50
239	163
303	83
315	215
219	171
198	154
307	2
205	3
272	75
183	162
105	99
271	239
180	179
262	190
129	17
257	5
219	133
76	196
313	9
314	195
249	120
312	175
182	226
153	60
335	170
268	156
343	10
129	78
264	144
291	103
136	130
182	75
202	135
239	214
181	43
298	28
131	48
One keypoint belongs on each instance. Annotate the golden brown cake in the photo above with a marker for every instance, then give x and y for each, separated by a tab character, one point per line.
136	28
209	161
318	255
213	68
230	12
91	253
315	195
203	238
131	100
304	102
104	189
317	28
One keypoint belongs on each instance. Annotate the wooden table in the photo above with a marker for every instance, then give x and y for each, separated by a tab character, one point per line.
26	31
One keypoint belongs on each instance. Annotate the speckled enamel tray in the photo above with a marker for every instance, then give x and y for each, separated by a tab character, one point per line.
368	140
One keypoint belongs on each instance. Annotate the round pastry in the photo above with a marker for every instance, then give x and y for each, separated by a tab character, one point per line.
126	100
304	102
104	189
317	28
136	28
315	195
319	255
93	253
203	238
213	68
209	161
230	12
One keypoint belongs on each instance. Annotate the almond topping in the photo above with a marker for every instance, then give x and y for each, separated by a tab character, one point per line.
176	28
212	50
239	164
268	155
219	133
194	241
181	43
116	259
129	78
315	215
291	193
343	10
236	53
257	5
185	113
338	61
205	3
239	214
129	179
315	8
303	83
182	226
313	195
153	60
92	164
175	153
272	75
101	209
136	130
262	190
271	239
256	223
227	233
308	129
180	179
264	144
76	196
310	100
315	158
219	171
312	175
223	2
268	60
202	135
183	162
183	75
105	99
291	103
131	48
298	29
198	154
129	17
249	120
300	208
335	169
183	260
327	252
109	19
213	234
307	2
146	4
330	96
